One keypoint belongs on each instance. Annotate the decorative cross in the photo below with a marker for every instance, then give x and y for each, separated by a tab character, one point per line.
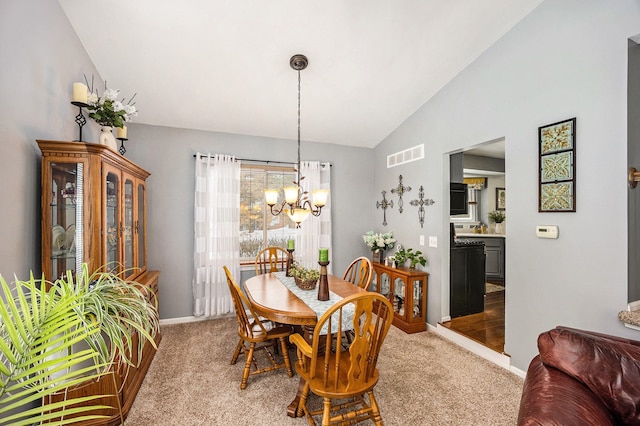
400	190
384	204
421	202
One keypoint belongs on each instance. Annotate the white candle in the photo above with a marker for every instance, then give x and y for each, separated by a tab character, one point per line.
122	132
80	92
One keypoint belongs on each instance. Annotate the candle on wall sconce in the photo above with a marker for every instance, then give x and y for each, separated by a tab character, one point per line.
122	136
80	97
80	92
290	244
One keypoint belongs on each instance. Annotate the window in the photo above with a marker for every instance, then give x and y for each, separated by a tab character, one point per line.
258	227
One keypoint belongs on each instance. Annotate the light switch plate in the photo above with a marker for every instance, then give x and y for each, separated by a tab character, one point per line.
433	241
547	231
421	240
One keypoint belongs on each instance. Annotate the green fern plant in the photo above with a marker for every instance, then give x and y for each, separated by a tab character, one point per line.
49	331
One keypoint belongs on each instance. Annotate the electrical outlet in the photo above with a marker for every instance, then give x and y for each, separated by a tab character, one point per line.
433	241
421	240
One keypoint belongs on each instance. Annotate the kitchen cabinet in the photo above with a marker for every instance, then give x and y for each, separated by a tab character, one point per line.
495	256
93	212
406	289
467	280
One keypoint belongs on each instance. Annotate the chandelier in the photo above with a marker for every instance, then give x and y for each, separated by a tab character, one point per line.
296	201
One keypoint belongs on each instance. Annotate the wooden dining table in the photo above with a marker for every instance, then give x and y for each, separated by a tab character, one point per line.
274	301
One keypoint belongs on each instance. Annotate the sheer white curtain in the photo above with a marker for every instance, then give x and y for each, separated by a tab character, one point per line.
217	239
315	232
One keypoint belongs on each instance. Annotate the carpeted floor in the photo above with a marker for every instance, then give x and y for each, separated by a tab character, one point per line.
424	380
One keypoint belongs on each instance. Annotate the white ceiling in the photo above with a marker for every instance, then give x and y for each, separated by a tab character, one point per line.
223	65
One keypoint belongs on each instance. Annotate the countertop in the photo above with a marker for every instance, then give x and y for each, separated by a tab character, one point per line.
468	235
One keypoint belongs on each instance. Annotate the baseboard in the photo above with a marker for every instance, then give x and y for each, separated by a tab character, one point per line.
518	372
501	360
183	320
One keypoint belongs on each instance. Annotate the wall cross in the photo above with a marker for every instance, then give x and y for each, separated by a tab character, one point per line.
421	202
384	204
400	190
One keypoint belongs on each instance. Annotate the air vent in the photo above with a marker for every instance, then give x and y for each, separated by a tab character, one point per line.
406	156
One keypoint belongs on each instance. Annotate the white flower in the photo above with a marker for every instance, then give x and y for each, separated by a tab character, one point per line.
110	94
379	241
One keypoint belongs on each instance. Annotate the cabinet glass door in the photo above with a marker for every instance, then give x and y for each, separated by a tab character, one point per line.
112	221
417	299
374	282
127	236
139	228
385	284
67	220
398	300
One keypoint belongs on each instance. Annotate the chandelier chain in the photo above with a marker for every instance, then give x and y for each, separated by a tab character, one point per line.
298	165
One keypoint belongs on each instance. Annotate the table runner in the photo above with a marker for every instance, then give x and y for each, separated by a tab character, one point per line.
310	298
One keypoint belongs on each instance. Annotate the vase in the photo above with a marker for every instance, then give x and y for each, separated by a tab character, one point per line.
107	138
499	229
377	256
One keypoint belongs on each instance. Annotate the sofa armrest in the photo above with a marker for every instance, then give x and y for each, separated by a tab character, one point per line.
551	397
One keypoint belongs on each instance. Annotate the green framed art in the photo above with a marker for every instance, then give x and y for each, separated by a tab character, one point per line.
557	167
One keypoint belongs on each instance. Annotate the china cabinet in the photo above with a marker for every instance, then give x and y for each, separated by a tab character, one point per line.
94	212
406	289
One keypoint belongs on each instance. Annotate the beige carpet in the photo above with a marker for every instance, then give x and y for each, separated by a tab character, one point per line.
424	380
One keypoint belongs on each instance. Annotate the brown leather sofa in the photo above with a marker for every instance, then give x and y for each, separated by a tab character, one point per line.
582	378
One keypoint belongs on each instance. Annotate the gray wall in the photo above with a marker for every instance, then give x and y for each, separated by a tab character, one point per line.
41	58
566	59
168	154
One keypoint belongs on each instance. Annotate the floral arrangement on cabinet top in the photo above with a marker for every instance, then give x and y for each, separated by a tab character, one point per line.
107	110
379	241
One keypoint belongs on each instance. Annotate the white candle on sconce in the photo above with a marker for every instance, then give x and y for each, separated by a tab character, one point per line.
122	132
80	92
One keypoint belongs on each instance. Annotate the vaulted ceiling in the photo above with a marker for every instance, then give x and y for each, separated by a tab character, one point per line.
223	65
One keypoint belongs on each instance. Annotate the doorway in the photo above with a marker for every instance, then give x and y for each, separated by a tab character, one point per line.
484	171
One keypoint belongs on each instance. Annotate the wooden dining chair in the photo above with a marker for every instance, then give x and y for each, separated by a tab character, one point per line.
259	334
339	373
359	272
271	259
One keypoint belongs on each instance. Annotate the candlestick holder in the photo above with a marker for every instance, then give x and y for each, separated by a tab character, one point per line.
80	119
289	261
323	286
122	149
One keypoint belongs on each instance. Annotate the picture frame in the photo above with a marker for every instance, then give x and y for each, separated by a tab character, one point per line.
557	167
501	199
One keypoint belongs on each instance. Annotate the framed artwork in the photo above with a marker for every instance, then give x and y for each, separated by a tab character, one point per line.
501	199
557	167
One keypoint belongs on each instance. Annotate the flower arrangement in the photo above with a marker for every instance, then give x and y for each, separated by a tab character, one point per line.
497	216
107	110
379	241
305	278
303	273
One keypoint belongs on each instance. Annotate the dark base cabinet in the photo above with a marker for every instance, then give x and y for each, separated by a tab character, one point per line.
494	248
467	275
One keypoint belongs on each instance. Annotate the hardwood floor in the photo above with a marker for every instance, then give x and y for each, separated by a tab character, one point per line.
486	327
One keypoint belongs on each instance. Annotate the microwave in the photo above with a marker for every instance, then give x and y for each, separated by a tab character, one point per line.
458	199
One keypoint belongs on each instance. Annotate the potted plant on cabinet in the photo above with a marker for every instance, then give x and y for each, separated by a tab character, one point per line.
498	216
415	257
54	336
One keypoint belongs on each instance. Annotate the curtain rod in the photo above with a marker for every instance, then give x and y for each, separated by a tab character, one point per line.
263	161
